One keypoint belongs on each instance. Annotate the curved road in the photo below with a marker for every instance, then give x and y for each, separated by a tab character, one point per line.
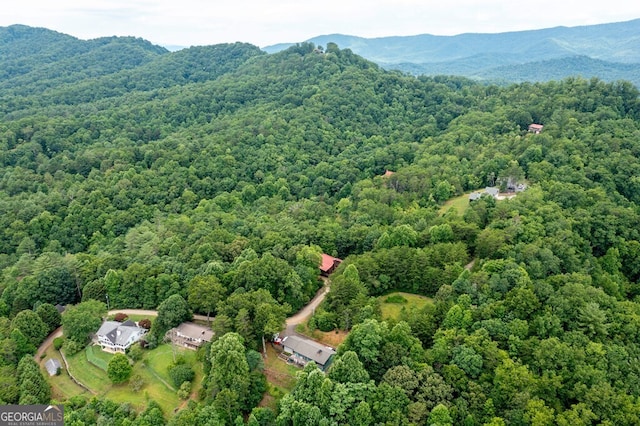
308	310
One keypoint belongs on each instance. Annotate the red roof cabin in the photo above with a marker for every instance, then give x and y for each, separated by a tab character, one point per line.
328	265
535	128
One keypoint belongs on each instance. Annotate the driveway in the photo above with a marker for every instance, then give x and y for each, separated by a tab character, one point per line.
307	311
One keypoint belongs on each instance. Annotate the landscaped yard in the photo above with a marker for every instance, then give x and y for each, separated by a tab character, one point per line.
392	304
152	368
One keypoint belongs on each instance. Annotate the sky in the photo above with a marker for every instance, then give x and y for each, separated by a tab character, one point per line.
263	22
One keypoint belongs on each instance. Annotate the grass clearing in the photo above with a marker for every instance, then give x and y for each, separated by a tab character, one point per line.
459	204
393	304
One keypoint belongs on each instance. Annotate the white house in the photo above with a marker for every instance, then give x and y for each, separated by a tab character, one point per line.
114	336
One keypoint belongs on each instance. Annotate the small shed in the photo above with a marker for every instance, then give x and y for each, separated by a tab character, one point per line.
52	365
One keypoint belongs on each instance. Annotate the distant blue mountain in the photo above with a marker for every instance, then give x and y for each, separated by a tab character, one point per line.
607	51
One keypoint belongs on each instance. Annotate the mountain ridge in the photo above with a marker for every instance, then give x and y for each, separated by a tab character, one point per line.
614	44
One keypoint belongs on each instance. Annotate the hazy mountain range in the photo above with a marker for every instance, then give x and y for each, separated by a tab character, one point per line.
608	51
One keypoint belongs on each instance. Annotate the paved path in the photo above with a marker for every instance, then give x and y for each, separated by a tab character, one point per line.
47	342
307	311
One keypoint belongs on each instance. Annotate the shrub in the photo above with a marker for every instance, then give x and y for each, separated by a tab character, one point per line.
325	321
71	347
135	352
181	373
396	298
185	390
120	317
58	342
145	323
136	383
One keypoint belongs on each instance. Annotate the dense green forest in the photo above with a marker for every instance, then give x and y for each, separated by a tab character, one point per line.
220	174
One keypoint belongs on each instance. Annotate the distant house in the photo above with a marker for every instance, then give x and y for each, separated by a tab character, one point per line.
492	190
329	264
388	173
536	128
52	365
475	196
190	335
304	351
117	337
489	190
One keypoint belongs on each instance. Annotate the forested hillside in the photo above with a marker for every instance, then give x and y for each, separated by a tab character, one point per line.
224	172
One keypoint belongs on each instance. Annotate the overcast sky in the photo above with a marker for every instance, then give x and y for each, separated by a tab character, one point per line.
264	22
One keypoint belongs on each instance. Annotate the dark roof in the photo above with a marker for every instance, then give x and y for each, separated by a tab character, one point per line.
308	348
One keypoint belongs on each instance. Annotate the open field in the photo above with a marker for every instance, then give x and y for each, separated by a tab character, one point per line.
392	309
460	204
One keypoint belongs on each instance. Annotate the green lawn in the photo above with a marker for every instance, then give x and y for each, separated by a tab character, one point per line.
392	310
152	368
459	204
98	357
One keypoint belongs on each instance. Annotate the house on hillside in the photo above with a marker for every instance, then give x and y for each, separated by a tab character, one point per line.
329	264
388	173
114	336
536	128
52	365
304	351
190	335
